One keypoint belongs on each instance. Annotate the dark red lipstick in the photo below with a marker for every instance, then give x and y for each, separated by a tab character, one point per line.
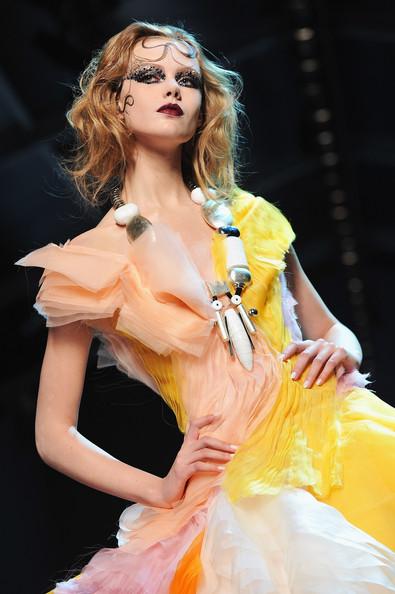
171	109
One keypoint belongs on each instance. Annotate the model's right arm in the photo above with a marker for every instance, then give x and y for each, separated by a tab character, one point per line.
61	446
59	443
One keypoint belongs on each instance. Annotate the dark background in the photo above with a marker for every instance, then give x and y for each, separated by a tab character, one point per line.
320	97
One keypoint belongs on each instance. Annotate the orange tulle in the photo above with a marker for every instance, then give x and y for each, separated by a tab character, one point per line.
188	570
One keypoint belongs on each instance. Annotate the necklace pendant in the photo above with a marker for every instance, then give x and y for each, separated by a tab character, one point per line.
240	340
217	305
248	323
217	288
136	227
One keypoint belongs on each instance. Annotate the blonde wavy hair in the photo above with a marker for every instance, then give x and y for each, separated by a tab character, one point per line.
209	159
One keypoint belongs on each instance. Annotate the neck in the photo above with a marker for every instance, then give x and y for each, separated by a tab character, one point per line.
154	180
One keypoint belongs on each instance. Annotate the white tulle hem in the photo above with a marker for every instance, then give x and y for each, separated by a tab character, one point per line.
290	543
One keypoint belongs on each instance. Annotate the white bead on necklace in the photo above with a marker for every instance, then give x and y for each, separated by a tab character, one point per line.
126	213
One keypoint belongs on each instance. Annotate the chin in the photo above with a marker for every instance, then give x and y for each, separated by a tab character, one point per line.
170	140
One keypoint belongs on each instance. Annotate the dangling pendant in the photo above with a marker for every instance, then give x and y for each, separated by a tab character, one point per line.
239	337
236	300
136	227
232	327
217	305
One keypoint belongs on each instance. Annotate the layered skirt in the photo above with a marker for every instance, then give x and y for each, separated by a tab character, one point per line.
288	542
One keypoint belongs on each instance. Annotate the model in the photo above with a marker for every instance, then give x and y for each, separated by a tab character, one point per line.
285	479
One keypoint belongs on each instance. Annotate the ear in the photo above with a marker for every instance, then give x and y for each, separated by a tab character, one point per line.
116	88
120	114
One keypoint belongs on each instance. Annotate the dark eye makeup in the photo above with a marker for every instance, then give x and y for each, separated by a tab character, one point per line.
190	78
150	74
146	74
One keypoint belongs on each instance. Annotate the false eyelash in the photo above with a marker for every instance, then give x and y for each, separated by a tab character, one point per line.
142	71
192	75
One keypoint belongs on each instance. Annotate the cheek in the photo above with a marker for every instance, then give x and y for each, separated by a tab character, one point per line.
193	104
134	99
198	107
197	99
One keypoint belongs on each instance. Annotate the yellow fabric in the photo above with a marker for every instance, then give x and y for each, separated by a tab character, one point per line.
267	236
339	447
160	368
297	443
367	450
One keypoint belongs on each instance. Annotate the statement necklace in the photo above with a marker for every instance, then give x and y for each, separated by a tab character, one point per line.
235	325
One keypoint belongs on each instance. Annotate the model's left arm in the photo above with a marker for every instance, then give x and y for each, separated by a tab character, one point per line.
328	345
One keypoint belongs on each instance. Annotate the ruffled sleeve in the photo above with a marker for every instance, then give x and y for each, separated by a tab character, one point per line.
98	275
70	287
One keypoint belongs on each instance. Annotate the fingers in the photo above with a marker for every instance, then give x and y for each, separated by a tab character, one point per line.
334	360
192	431
205	467
214	443
295	347
340	370
206	452
319	363
323	357
305	358
210	448
188	461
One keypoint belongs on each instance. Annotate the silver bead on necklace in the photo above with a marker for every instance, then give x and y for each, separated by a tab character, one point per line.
235	326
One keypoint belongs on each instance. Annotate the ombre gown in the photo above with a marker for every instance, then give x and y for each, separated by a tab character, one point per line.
307	504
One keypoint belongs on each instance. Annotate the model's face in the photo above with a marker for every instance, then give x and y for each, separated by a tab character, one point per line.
162	71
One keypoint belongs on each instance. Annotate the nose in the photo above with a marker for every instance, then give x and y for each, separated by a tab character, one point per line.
173	89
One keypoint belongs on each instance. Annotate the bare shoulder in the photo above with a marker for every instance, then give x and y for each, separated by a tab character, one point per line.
100	236
107	218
